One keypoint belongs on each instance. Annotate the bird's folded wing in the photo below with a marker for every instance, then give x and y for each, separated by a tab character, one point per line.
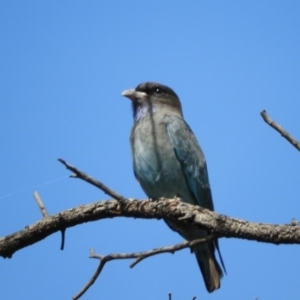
192	160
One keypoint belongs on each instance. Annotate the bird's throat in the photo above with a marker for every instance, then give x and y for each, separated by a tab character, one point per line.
140	111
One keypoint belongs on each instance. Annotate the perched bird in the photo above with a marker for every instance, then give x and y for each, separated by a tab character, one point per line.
168	162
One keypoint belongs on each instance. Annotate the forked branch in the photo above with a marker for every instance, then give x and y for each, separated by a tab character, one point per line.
139	256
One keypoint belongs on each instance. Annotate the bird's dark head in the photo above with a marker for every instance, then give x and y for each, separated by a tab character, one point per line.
151	97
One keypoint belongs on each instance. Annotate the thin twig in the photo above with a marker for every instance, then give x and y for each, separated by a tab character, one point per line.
40	204
45	214
278	128
93	278
139	256
170	249
81	175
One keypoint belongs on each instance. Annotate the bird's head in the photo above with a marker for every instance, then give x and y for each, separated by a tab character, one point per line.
150	97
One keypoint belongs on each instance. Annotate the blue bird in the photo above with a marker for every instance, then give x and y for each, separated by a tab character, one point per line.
168	162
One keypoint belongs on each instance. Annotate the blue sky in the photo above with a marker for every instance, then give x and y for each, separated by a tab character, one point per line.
63	66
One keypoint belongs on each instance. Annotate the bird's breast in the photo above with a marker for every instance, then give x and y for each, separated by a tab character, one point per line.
155	163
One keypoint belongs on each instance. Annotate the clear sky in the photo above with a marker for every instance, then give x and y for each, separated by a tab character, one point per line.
63	66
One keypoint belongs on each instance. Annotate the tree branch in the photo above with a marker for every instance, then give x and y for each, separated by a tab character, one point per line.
81	175
139	257
40	204
278	128
191	215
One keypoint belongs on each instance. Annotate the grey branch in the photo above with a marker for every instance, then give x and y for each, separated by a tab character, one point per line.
139	256
278	128
40	204
45	214
81	175
215	223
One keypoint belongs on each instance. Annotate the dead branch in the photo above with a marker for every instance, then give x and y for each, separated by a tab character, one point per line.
139	256
40	204
45	214
81	175
278	128
191	215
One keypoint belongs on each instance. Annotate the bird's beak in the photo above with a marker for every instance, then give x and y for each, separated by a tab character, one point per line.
133	95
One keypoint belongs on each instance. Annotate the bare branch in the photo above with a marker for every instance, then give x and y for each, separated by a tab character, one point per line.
169	249
217	224
142	255
191	215
45	214
139	257
91	180
278	128
93	278
40	204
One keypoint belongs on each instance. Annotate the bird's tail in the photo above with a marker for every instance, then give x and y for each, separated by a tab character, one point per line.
210	268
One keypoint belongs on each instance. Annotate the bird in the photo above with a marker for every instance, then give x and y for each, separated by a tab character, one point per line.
169	162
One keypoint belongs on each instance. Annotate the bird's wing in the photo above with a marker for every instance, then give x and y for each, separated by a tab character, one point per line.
192	160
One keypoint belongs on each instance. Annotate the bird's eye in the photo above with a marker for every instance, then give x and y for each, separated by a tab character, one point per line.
158	91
